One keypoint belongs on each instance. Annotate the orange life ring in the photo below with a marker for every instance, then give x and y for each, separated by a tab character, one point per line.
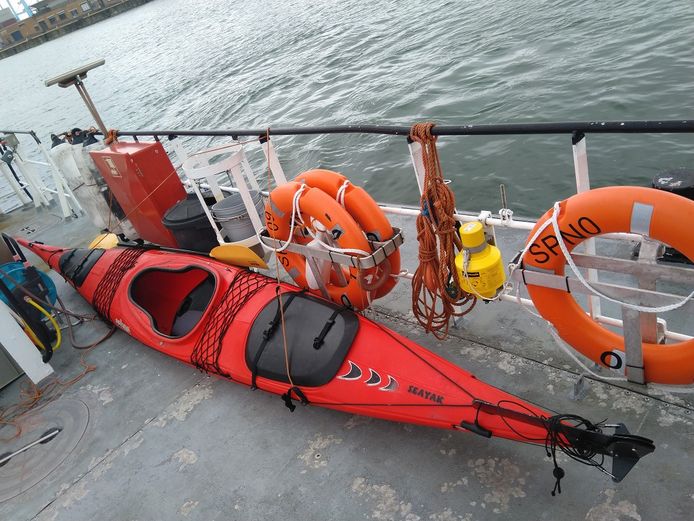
368	215
347	234
660	215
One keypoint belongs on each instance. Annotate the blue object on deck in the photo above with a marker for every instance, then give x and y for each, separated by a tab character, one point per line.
18	272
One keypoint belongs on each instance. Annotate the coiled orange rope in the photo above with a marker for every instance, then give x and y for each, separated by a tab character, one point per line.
435	290
111	137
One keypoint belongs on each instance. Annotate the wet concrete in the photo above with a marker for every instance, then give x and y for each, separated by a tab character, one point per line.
167	442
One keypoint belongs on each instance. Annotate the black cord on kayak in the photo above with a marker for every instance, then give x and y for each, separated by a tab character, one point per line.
556	440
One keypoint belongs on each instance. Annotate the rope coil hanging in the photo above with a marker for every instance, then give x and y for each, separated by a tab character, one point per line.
435	292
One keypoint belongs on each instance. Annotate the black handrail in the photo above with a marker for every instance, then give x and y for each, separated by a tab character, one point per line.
575	127
678	126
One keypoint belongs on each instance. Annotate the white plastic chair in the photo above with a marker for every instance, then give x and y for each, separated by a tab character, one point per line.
231	159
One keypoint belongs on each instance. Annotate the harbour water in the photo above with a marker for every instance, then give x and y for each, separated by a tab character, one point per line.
219	64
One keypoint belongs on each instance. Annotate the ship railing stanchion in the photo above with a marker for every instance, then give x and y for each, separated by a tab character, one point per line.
23	189
580	156
179	149
417	162
271	156
16	187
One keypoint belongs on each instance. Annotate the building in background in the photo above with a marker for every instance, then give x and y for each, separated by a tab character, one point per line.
48	15
7	19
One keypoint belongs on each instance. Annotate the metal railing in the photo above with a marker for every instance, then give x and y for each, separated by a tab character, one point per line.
570	127
34	185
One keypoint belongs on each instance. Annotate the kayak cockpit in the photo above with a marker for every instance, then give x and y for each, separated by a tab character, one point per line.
174	300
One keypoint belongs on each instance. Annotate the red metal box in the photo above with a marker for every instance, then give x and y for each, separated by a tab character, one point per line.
145	183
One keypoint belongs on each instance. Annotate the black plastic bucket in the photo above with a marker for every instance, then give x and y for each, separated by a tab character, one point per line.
189	224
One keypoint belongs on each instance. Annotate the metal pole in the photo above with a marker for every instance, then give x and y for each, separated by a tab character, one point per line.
79	85
14	174
501	129
580	155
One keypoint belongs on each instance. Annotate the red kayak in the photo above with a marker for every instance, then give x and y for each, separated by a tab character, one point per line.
246	327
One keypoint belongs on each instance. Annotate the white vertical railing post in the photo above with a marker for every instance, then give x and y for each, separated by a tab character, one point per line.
271	157
179	150
580	154
19	192
417	163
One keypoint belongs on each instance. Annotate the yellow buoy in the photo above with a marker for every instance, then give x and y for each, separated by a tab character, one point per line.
105	241
480	266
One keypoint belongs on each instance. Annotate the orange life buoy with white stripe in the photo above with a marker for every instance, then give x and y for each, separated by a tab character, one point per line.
313	206
660	215
368	215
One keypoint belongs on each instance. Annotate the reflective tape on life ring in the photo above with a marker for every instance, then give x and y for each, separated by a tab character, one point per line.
368	215
660	215
345	232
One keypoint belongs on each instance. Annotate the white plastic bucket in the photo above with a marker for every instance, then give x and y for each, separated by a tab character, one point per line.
231	214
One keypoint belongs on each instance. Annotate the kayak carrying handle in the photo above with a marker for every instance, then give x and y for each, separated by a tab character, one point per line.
287	398
476	428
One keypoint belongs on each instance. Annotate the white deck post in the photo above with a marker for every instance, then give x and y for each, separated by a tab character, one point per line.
14	184
271	157
417	163
580	154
